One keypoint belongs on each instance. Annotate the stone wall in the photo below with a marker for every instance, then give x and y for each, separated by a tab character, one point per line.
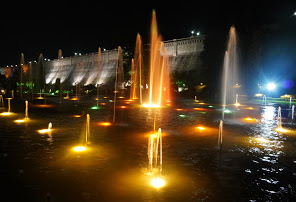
82	69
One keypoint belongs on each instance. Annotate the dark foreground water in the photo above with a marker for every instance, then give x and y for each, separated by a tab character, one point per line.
256	162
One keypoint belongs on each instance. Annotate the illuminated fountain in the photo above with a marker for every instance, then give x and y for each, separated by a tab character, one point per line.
9	109
236	100
155	159
159	69
220	135
279	122
290	102
26	115
1	101
119	78
136	71
264	100
230	70
293	109
87	136
48	130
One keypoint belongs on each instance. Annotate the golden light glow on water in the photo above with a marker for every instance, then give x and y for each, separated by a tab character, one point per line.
151	105
201	103
43	106
105	124
261	139
79	148
157	182
282	130
250	108
123	107
6	113
44	131
237	104
179	109
201	128
74	98
249	119
77	116
21	120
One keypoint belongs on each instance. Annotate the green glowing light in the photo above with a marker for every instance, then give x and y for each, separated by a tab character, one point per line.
211	106
182	115
95	107
227	111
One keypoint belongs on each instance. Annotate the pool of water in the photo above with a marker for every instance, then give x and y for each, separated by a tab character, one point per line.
255	163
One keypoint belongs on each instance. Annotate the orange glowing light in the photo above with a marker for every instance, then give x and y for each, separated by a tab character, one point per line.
123	107
77	116
250	119
261	139
201	103
43	106
250	108
237	104
42	131
97	99
74	98
103	103
6	113
179	109
157	182
105	97
201	128
151	105
20	120
105	124
281	130
79	148
200	109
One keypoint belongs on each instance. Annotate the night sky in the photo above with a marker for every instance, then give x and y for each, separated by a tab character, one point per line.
83	26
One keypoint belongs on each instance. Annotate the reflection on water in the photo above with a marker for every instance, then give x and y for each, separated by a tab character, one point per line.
256	162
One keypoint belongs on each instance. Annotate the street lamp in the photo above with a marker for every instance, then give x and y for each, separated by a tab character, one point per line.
192	32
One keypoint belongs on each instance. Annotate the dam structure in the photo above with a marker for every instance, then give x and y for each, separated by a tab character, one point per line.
84	70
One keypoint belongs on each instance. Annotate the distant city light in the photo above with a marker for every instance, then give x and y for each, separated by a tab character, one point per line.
198	33
271	86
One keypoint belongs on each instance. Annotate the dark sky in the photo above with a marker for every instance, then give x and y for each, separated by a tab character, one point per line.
83	26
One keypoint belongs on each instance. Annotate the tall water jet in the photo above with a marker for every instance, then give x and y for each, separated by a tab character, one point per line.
21	74
290	103
230	77
279	123
159	68
1	101
264	100
41	73
8	100
119	78
26	110
99	75
293	109
136	71
220	135
87	130
60	56
155	151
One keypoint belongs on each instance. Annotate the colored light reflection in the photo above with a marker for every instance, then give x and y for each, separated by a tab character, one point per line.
105	124
182	115
43	106
6	113
21	120
261	139
179	109
79	149
250	119
157	182
151	105
200	109
282	130
227	111
74	98
123	107
201	128
77	116
103	103
42	131
95	107
250	108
